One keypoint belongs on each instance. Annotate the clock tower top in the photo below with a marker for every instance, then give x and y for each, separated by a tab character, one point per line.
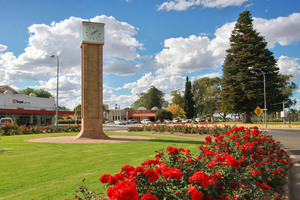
92	32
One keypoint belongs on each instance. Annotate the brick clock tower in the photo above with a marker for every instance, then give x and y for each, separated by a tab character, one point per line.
92	41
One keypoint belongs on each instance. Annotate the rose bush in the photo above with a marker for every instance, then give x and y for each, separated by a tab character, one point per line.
14	129
242	163
180	128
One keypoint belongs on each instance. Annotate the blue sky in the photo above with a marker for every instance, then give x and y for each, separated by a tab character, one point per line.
147	42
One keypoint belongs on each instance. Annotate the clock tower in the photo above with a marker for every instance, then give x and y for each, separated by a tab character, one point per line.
92	41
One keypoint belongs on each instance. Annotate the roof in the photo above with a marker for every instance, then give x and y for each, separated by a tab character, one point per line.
142	114
3	88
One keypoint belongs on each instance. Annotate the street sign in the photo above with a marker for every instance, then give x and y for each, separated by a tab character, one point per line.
258	111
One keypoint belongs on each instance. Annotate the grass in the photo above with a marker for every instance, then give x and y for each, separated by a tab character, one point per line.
52	171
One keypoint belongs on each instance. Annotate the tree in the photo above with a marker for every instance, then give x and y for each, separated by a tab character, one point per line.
188	102
163	114
77	111
206	92
242	87
153	98
177	97
176	111
38	92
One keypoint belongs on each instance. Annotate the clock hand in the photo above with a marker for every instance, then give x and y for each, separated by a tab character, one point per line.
93	32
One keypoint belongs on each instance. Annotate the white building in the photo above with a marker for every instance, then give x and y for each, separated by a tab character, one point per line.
27	109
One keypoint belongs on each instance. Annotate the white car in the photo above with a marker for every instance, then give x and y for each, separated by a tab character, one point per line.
132	121
6	121
120	122
146	121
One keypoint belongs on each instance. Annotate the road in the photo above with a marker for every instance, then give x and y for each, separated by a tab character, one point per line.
290	139
113	127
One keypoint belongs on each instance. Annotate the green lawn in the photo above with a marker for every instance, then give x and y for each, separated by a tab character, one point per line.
52	171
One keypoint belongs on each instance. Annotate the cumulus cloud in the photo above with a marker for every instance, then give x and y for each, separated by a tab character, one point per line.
186	55
68	86
289	66
121	68
2	47
211	75
182	5
164	83
281	30
62	38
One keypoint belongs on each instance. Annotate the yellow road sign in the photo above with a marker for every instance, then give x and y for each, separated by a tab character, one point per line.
258	111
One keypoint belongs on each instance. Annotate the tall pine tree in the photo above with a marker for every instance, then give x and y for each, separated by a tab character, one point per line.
188	102
242	87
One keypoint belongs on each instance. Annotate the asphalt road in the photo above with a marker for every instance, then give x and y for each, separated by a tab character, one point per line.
290	139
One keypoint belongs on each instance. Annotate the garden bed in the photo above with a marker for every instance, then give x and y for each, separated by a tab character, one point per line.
242	163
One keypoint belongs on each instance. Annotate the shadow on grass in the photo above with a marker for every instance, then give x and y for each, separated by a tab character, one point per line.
177	141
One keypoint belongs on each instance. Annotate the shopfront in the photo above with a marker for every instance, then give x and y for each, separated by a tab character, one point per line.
27	109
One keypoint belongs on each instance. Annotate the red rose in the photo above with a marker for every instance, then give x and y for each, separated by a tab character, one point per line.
149	196
123	190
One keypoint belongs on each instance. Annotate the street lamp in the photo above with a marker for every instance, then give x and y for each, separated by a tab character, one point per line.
265	97
57	75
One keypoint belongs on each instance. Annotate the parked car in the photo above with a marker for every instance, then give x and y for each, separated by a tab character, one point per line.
146	121
186	120
120	122
167	121
6	120
109	122
132	121
200	120
177	120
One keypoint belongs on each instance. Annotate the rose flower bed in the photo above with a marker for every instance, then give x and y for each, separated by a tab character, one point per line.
14	129
242	163
180	128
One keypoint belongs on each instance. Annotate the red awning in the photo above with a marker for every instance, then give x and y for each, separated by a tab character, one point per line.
142	114
50	112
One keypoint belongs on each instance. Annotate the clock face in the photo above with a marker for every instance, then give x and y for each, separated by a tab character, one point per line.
92	32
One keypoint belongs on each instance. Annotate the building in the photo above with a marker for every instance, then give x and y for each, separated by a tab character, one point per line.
27	109
139	115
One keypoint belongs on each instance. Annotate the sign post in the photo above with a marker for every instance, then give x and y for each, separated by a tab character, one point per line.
258	111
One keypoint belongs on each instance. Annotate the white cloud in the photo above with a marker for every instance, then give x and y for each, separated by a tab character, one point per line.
119	39
62	38
211	75
289	66
121	68
164	83
2	47
281	30
186	55
181	5
68	86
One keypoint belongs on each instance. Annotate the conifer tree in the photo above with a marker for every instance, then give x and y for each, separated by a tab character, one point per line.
247	60
188	102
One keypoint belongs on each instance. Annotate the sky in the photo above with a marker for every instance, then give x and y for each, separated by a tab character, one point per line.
147	43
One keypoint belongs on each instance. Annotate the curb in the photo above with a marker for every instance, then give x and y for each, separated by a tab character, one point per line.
294	178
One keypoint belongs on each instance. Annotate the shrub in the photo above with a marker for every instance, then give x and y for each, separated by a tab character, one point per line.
13	129
163	114
241	163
